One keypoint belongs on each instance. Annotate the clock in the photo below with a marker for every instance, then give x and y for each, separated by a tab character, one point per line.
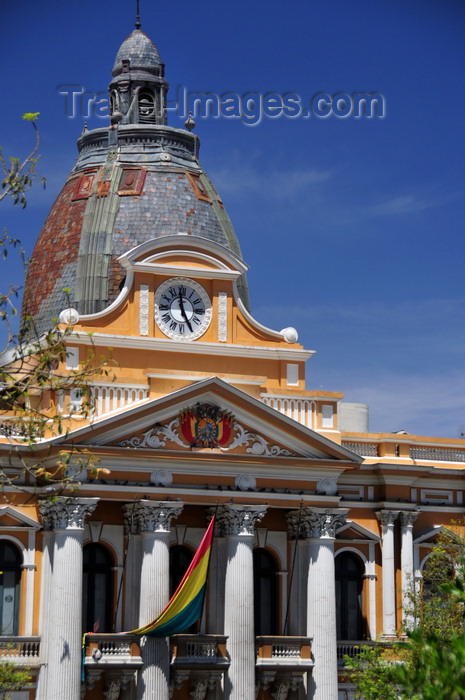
183	309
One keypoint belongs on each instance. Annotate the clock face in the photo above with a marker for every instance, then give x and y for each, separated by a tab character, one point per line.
182	309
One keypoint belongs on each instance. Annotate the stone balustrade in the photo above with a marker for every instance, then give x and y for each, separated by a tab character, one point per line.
284	652
20	650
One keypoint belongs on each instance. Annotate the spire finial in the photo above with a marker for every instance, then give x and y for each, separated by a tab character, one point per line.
138	24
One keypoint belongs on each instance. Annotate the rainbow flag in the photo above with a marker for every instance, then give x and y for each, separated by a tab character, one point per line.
186	604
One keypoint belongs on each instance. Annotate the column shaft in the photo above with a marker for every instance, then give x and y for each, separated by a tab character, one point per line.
152	520
64	627
318	527
237	523
45	605
387	519
64	652
239	618
154	595
406	560
321	619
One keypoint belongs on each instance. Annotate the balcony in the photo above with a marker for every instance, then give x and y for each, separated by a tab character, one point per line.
22	651
104	651
205	651
282	662
284	653
200	659
352	649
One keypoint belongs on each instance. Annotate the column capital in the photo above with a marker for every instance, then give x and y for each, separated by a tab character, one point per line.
66	513
315	523
150	516
407	518
238	519
387	517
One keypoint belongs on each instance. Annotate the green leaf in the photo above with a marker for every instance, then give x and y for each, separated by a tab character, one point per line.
30	116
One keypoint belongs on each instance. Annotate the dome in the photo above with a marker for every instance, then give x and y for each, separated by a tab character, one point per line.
139	50
134	181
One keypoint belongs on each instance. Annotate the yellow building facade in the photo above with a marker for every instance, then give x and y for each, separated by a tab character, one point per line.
321	526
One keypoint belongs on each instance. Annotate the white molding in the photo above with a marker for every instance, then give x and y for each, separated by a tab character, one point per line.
144	303
154	260
178	244
222	317
201	347
368	535
182	270
193	378
28	523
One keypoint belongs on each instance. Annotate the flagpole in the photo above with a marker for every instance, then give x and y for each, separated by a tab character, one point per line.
120	587
292	569
208	571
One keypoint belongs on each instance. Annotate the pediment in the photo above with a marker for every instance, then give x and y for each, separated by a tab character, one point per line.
430	537
214	417
13	519
191	252
353	531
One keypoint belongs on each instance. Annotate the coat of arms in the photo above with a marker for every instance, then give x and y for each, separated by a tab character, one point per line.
206	426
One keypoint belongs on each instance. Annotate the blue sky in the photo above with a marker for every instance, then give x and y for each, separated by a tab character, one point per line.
353	228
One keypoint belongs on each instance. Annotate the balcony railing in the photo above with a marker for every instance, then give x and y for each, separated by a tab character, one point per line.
353	648
363	449
113	650
24	651
284	652
107	398
205	651
437	454
300	409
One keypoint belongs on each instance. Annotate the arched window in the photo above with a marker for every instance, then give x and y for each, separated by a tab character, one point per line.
349	584
97	598
10	568
147	112
265	592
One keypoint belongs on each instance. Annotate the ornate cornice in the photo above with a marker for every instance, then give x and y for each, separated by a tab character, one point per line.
315	523
66	513
236	519
150	516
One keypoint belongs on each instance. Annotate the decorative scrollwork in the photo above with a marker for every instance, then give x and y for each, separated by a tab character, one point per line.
205	426
155	437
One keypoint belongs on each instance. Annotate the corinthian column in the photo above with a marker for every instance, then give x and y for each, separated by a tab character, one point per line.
62	667
237	523
153	520
318	526
387	519
406	561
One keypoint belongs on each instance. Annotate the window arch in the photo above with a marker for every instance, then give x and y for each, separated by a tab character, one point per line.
265	592
349	571
97	598
10	566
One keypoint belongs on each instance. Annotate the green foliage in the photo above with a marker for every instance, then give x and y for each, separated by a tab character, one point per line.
373	671
36	393
18	175
31	116
12	678
431	664
436	668
39	397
